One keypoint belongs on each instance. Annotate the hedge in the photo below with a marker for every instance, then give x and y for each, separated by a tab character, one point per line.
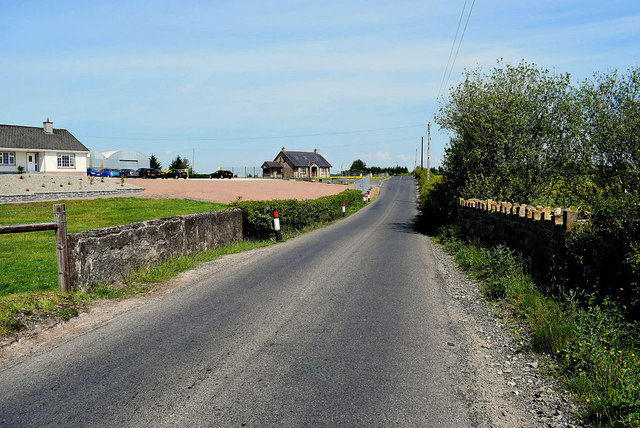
257	216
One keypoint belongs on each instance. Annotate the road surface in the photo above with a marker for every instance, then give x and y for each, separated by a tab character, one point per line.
345	326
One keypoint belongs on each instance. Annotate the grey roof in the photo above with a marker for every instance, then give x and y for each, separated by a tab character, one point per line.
306	159
34	138
272	164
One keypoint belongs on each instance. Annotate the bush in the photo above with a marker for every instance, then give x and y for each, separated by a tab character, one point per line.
437	202
257	216
603	255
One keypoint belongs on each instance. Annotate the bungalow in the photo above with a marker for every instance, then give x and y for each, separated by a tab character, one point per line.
41	150
290	164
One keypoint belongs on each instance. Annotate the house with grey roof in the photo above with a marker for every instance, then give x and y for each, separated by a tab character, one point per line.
295	164
41	150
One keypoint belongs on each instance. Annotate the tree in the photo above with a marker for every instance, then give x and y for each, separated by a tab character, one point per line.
611	112
179	163
515	134
358	165
154	162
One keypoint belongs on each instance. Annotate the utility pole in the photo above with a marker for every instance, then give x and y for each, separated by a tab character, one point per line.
193	161
421	152
415	161
428	148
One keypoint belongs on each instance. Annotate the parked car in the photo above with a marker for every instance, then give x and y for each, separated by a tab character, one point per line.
127	172
221	174
176	173
92	172
109	172
147	173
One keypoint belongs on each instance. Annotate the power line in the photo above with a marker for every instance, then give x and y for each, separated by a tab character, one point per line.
449	69
358	131
452	46
460	42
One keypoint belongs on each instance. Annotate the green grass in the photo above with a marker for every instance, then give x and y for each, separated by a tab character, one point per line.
21	310
592	348
28	260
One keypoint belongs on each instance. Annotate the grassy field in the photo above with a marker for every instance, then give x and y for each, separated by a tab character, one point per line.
28	260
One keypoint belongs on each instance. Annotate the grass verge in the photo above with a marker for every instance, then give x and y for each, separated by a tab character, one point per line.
591	347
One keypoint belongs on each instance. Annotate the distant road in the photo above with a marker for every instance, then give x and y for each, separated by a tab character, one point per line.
344	326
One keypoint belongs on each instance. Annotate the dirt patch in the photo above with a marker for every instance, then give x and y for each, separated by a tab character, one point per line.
225	191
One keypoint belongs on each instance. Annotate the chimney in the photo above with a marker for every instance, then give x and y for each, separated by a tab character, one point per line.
283	149
48	126
315	151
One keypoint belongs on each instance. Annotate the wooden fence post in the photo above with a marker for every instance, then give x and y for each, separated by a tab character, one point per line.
60	218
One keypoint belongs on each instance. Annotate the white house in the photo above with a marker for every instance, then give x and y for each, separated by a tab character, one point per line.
41	150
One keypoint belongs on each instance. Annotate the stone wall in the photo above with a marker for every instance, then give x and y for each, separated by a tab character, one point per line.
534	231
49	196
109	253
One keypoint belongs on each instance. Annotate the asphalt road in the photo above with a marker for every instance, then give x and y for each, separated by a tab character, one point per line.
345	326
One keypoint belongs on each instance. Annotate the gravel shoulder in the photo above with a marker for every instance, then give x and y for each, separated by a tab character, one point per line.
508	386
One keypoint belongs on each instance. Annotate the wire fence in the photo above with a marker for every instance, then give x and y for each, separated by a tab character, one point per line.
27	259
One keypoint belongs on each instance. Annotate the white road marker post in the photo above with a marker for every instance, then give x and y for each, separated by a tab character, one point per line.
276	226
343	209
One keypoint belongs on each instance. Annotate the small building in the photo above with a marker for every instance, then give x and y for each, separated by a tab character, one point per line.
119	159
295	164
41	150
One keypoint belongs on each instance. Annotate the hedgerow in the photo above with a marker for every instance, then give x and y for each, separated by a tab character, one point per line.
257	216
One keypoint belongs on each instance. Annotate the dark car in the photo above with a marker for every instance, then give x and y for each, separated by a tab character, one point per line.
127	172
92	172
147	173
221	174
109	172
176	173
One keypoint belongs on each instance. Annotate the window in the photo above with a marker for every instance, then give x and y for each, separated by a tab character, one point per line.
7	158
303	172
66	160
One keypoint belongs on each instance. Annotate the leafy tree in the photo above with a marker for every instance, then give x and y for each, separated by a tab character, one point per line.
514	134
358	165
154	162
179	163
611	112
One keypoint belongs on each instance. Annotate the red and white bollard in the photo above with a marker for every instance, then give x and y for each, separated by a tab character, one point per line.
368	197
276	226
344	210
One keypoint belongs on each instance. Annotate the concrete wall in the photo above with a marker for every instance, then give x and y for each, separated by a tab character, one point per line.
110	253
534	231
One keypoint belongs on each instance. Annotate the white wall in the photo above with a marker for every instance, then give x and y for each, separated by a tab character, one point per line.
50	163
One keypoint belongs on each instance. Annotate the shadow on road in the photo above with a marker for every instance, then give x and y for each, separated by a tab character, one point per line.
410	226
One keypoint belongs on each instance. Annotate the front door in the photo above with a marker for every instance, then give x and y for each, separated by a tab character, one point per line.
32	162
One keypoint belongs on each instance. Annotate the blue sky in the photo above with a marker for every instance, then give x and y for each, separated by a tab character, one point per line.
235	81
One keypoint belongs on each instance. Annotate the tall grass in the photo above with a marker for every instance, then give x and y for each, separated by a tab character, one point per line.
593	347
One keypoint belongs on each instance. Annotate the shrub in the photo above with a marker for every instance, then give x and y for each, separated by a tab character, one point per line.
603	255
257	216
